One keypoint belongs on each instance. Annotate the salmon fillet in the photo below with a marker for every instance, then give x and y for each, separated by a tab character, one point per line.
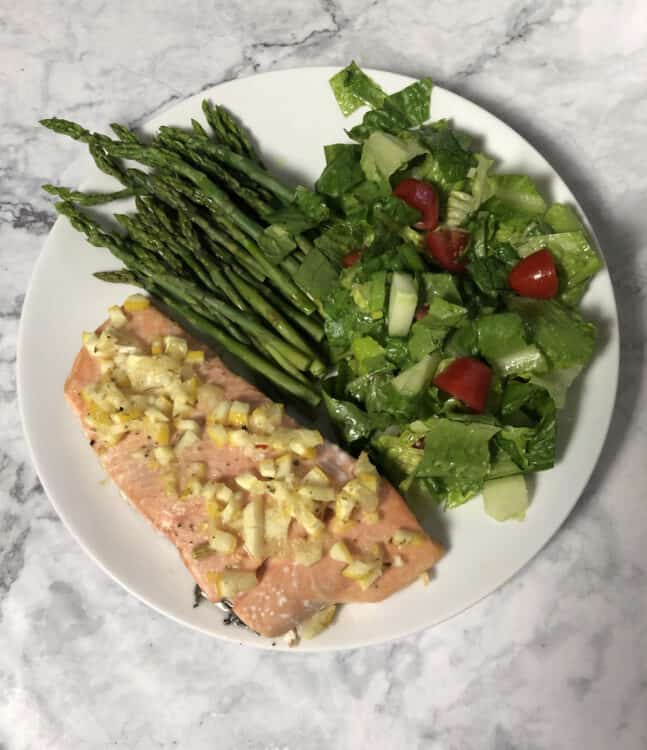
287	593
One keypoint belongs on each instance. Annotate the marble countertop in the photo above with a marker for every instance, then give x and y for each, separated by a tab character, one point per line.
558	657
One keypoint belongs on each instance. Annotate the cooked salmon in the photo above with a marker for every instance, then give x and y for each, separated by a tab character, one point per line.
287	592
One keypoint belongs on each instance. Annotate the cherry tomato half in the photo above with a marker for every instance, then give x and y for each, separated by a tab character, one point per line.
535	276
423	197
352	258
446	247
468	380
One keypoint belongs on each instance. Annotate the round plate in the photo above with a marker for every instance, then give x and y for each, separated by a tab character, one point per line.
293	114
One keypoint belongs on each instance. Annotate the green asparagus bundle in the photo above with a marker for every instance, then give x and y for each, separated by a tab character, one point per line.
210	239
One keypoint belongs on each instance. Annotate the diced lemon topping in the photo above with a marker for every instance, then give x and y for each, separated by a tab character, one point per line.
230	583
340	552
158	392
117	317
217	434
136	303
238	414
403	537
316	624
223	542
194	357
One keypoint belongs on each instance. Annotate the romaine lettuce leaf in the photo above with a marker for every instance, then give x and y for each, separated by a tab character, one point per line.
369	355
353	88
529	437
463	341
381	397
562	218
441	285
344	321
342	237
460	204
557	383
316	275
343	170
357	203
561	333
514	194
456	451
383	154
354	425
428	334
448	163
424	339
405	109
502	341
398	456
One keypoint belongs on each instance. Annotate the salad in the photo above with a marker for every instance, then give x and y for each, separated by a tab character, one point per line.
428	301
453	319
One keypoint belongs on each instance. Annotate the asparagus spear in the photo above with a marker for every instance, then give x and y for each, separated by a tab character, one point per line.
244	353
213	168
228	131
198	129
249	323
125	135
120	276
165	190
148	206
269	313
151	242
86	199
235	160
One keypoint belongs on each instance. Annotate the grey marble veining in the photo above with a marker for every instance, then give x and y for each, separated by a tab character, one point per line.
558	657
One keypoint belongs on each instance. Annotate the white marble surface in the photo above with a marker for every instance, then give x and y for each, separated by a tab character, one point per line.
558	657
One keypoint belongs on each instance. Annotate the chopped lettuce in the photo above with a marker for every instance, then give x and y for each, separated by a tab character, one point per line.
502	341
561	333
342	237
405	109
383	154
354	424
448	162
425	338
514	194
562	218
353	88
461	205
343	170
316	275
557	382
529	436
441	285
398	455
456	450
368	354
428	334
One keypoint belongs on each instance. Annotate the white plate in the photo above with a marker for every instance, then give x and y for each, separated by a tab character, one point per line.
292	113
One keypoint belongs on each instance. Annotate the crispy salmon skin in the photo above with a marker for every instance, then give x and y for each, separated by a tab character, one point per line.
287	590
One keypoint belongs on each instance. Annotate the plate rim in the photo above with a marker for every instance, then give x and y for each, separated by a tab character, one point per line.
269	644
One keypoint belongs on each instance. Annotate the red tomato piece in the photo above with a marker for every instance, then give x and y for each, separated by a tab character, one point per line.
535	276
468	380
446	247
423	197
352	258
422	311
